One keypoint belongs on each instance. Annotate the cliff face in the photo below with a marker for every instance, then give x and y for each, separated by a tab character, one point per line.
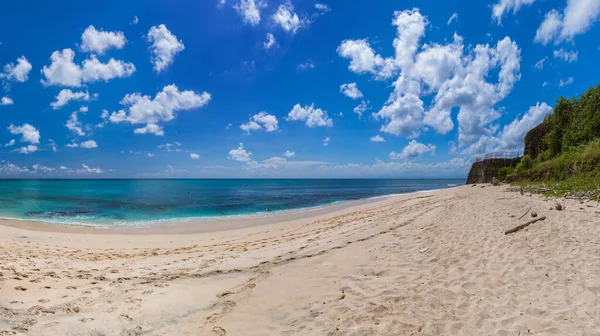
483	171
533	140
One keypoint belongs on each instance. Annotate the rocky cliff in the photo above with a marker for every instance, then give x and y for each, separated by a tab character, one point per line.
533	140
484	171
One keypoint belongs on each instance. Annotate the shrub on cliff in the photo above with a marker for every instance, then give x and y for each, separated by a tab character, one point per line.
505	171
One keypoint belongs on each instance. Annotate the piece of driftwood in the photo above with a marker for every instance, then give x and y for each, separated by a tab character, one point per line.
515	229
523	215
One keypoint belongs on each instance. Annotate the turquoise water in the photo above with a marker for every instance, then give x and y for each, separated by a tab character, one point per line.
152	202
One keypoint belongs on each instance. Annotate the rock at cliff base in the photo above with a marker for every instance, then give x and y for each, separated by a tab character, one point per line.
495	181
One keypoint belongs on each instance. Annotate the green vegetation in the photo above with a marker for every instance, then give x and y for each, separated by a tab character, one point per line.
569	160
505	171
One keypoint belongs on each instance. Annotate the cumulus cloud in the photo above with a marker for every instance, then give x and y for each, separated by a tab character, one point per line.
99	41
362	108
6	101
28	133
66	95
64	72
17	72
505	6
150	129
9	169
87	170
322	8
577	18
351	91
194	156
454	75
27	149
511	136
88	144
240	154
413	150
10	143
41	168
377	138
164	46
250	11
163	107
74	125
259	121
270	42
311	116
288	20
289	154
326	141
567	56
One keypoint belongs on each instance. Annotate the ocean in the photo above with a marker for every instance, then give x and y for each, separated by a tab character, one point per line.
137	202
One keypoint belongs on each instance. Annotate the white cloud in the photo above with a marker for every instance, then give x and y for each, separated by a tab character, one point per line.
86	144
322	8
94	70
6	101
150	154
66	95
311	116
74	125
42	168
456	79
289	154
567	56
549	28
64	72
259	121
271	42
28	133
513	134
18	72
194	156
540	64
326	141
240	154
377	138
164	47
84	109
305	66
566	82
87	170
150	129
288	20
10	143
362	108
53	145
413	151
351	90
135	20
12	169
27	149
99	41
171	146
72	145
505	6
453	17
146	110
577	18
250	11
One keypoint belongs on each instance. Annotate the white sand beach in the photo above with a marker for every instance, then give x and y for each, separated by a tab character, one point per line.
434	263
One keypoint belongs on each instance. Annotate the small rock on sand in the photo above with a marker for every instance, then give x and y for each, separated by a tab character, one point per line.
533	214
495	181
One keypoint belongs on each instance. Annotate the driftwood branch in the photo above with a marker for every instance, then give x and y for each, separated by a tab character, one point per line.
526	212
515	229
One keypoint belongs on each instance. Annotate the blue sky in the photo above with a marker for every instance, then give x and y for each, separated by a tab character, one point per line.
248	88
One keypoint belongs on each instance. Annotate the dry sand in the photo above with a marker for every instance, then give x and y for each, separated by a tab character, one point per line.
422	264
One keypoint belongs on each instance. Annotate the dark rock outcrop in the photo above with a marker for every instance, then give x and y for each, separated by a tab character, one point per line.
533	140
484	171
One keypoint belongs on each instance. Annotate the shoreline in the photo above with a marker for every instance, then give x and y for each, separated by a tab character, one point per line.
436	263
185	226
